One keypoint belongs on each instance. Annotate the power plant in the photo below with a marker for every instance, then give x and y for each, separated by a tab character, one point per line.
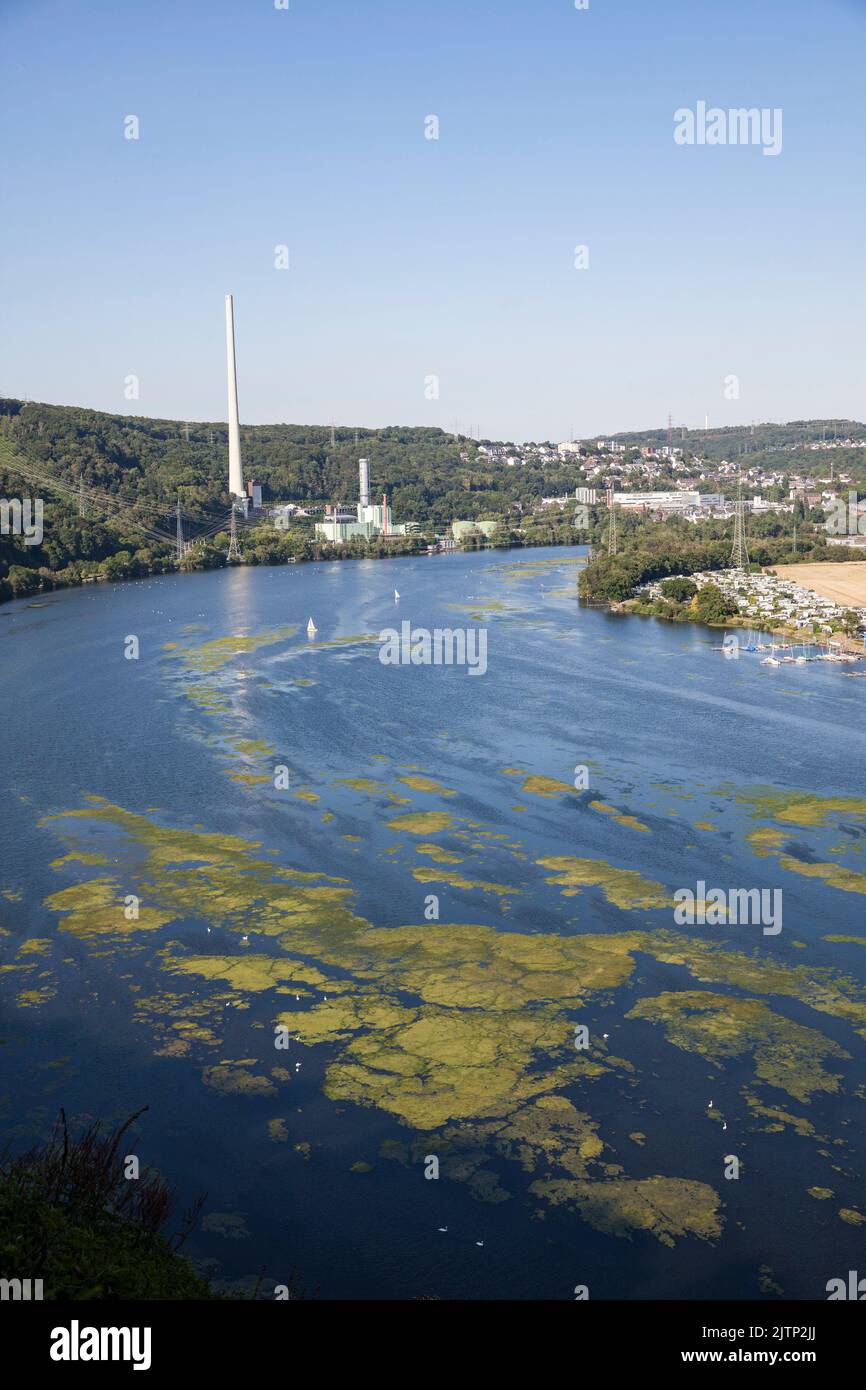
339	525
369	520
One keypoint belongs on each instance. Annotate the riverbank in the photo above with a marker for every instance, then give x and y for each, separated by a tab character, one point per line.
821	601
796	635
29	583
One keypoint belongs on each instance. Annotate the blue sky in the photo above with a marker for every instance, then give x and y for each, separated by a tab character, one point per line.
414	258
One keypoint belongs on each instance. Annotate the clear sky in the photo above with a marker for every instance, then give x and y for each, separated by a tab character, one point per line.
453	258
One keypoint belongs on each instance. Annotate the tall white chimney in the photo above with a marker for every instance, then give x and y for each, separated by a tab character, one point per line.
236	474
364	482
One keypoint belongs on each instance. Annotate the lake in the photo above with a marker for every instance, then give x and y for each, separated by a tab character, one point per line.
390	950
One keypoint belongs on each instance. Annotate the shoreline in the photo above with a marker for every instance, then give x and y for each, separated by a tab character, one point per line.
632	608
179	571
41	589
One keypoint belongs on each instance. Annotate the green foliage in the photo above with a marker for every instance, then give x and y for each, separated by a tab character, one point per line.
680	590
710	605
22	581
70	1217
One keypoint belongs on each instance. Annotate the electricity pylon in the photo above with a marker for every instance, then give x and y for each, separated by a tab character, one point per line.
611	535
234	552
739	550
180	545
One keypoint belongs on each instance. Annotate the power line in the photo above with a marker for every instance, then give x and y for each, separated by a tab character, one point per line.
119	512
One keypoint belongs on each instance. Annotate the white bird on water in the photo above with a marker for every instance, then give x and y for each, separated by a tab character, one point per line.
724	1124
479	1242
442	1228
311	628
710	1106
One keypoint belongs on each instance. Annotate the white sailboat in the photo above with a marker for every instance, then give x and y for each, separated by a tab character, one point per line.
396	595
772	659
311	628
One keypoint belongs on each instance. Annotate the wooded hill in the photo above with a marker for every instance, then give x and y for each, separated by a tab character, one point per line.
139	468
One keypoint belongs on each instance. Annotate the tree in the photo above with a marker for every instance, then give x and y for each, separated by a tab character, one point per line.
22	581
710	605
678	589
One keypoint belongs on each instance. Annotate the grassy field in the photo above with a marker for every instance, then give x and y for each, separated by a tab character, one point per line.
844	583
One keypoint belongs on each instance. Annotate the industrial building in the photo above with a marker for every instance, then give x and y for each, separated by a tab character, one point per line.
461	529
668	501
370	520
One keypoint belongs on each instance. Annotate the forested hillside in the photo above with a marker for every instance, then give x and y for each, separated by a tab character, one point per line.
134	472
429	475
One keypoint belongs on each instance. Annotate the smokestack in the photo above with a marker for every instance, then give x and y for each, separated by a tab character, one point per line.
236	475
364	482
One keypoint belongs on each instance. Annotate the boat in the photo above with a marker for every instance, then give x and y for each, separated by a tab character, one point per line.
396	594
311	628
772	659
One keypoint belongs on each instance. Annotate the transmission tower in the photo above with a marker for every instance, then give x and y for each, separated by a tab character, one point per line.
739	550
234	548
180	544
82	505
611	535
